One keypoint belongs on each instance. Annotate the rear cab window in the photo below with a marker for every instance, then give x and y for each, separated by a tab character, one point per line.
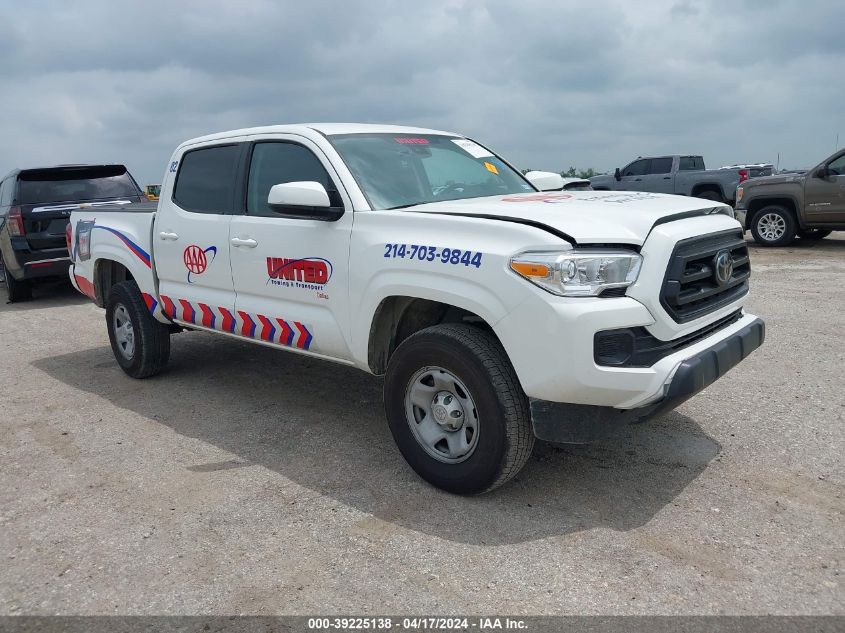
691	163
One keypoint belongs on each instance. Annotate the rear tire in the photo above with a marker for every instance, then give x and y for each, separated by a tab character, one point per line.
141	345
813	234
461	377
773	226
16	290
715	196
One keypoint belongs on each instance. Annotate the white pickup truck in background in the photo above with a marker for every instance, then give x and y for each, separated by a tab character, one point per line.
496	312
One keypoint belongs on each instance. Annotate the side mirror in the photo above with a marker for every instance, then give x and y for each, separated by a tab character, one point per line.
545	180
617	174
822	172
304	200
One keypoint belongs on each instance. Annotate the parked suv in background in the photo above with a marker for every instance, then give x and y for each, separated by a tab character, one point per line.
683	175
809	205
35	205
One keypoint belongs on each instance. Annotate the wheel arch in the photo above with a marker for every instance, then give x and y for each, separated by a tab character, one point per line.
788	202
399	316
108	273
701	187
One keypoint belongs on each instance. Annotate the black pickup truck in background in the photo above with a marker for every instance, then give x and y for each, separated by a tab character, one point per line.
35	205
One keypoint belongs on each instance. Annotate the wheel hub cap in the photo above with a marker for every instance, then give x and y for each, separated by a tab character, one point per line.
124	333
442	415
771	226
447	411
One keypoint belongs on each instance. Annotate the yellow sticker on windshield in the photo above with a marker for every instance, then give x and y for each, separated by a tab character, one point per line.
491	168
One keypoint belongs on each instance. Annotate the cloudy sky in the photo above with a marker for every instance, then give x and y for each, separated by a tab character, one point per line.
547	83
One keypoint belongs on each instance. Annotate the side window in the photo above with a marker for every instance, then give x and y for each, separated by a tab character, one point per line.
691	163
637	168
837	166
274	163
206	179
661	165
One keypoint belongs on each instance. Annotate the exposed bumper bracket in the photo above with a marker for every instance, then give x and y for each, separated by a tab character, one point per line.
578	423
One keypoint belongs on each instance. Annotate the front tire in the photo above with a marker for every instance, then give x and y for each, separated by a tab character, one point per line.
773	226
141	345
456	410
16	290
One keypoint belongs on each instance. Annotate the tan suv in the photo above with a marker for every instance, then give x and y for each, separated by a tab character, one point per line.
809	205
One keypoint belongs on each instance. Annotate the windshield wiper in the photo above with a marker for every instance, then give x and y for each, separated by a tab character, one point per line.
404	206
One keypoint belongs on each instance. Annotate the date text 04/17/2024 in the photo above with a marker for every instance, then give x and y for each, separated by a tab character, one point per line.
424	253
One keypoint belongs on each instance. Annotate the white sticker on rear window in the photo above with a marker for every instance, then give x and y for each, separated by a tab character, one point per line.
473	149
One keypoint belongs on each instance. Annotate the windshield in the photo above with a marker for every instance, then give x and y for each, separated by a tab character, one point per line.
402	170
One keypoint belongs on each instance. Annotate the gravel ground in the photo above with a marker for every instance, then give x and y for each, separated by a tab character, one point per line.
246	480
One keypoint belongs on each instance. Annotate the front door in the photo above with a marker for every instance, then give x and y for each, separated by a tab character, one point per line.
291	273
824	198
191	237
633	174
658	178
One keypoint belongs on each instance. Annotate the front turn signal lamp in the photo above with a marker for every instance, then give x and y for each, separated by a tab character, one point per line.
578	273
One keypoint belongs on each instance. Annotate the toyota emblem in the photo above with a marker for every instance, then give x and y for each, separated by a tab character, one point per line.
724	265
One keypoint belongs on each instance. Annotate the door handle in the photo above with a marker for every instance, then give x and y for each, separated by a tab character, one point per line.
165	235
637	179
667	177
248	243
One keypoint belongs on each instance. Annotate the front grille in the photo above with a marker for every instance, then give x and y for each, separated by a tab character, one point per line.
692	288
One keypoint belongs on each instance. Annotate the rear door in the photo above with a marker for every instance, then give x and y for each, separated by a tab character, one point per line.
191	236
824	198
291	274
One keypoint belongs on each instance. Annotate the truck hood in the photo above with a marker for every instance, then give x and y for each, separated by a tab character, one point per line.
582	217
779	179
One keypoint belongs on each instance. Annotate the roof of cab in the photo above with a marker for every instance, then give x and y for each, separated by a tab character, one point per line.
324	128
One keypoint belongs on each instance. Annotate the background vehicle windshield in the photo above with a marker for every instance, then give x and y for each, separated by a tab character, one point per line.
400	170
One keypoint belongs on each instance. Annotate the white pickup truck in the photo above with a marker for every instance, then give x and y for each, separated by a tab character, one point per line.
496	312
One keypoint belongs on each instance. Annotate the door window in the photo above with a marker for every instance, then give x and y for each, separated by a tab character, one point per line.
275	163
637	168
836	167
206	179
661	165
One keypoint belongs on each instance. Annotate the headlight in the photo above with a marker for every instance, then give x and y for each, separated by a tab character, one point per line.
578	273
739	192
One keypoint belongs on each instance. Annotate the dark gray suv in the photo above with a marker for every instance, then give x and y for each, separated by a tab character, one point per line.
35	205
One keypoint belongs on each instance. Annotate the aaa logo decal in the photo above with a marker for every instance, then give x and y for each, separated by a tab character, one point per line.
197	260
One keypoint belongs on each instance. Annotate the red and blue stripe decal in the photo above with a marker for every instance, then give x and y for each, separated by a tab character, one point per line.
188	313
167	307
150	301
248	327
228	324
257	326
139	252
